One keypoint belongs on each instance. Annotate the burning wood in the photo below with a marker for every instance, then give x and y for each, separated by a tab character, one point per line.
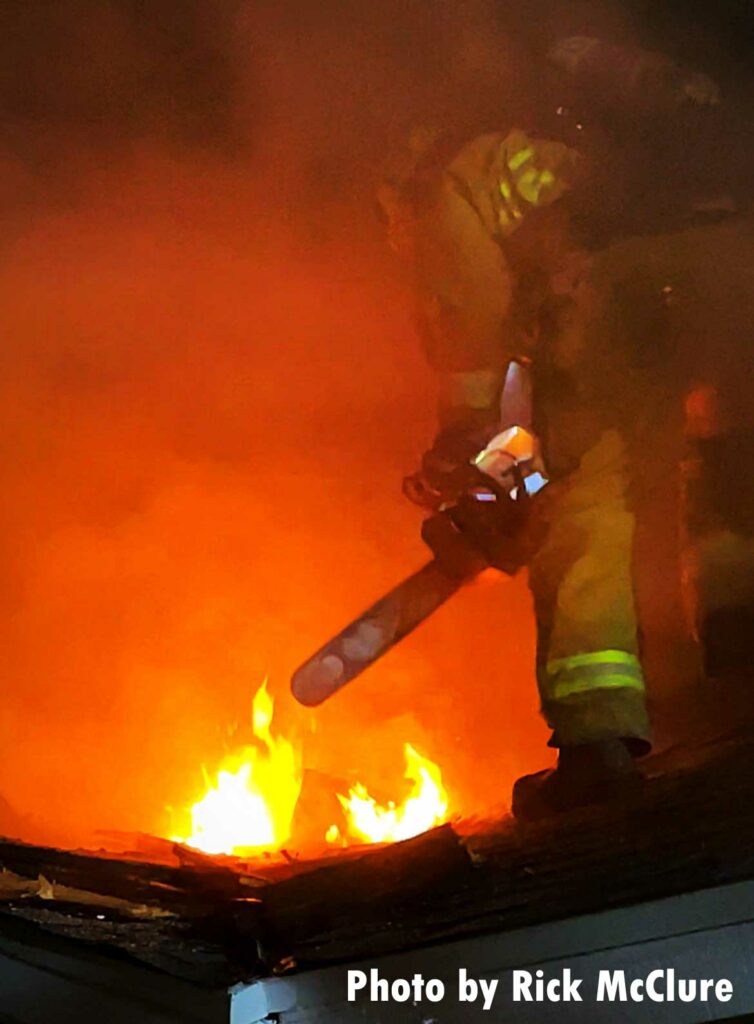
249	804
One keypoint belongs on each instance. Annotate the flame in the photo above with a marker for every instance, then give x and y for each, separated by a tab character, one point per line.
250	805
425	807
333	835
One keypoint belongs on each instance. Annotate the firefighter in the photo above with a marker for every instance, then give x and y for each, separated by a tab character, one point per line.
523	325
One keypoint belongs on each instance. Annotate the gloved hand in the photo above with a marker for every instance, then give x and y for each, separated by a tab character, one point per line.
447	468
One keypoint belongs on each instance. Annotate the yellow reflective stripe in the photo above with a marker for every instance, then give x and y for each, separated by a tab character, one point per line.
510	200
532	182
520	158
593	658
528	186
595	670
607	682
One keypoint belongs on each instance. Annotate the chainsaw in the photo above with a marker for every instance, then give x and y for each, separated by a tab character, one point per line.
486	523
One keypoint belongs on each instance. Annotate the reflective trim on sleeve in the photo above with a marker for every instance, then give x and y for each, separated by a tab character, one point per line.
531	173
594	671
594	658
520	158
533	183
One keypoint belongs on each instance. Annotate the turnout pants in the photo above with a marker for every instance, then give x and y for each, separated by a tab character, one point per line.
588	670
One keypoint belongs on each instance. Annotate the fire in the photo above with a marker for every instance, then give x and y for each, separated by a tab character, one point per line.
250	805
248	808
425	807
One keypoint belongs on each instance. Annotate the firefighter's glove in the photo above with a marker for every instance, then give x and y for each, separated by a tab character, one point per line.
447	469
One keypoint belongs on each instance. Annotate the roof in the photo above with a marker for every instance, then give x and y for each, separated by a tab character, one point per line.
692	828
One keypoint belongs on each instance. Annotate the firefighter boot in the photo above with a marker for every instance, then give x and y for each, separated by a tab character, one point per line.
587	774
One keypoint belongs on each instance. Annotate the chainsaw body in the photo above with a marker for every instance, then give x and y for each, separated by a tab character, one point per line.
486	522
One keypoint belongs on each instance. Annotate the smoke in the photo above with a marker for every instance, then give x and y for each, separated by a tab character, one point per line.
210	390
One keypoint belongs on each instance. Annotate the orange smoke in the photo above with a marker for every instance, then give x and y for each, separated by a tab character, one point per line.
211	387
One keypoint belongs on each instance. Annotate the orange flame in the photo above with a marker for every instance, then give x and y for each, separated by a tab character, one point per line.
250	806
425	807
